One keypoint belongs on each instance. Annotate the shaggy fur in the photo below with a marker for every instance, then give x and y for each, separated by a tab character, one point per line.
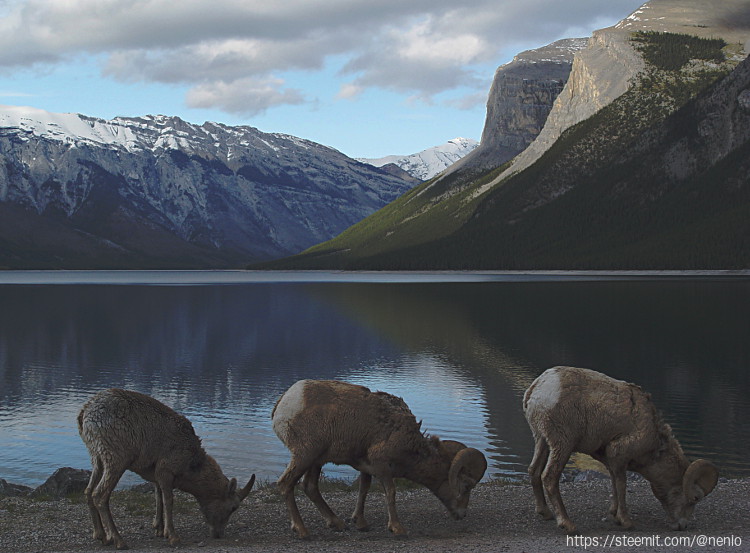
571	409
374	432
125	430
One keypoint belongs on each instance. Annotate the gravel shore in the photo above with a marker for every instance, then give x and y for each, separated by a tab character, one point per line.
501	518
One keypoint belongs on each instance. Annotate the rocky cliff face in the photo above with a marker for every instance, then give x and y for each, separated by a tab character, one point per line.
522	94
607	67
645	183
158	191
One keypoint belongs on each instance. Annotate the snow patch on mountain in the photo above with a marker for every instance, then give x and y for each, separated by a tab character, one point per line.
160	187
430	162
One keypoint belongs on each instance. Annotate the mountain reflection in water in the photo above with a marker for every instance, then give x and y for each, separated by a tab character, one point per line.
460	353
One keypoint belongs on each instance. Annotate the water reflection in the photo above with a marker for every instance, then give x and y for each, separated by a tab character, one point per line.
460	354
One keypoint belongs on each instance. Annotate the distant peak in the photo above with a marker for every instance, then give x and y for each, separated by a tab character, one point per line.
430	162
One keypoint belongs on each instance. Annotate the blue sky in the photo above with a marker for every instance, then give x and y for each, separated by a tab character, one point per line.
368	77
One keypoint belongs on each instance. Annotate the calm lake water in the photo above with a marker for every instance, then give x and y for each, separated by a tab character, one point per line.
220	347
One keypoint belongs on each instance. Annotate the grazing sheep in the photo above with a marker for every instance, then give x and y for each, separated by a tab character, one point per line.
571	409
335	422
125	430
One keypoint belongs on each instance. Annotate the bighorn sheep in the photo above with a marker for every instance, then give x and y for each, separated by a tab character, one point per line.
126	430
571	409
328	421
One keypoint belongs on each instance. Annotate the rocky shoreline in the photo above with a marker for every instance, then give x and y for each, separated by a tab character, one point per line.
501	518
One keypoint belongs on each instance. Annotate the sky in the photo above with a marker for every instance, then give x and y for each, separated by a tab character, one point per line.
368	77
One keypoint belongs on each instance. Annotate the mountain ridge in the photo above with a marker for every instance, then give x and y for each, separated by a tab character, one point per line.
140	192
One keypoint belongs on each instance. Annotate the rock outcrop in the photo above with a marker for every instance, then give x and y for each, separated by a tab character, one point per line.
8	489
520	100
607	67
63	481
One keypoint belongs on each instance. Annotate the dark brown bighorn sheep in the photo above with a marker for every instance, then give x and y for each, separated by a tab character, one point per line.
326	421
616	423
125	430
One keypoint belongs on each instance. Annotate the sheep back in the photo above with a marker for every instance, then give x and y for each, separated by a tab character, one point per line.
130	428
342	423
585	411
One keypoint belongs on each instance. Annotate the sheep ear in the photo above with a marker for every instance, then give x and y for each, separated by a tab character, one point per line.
701	474
232	486
468	467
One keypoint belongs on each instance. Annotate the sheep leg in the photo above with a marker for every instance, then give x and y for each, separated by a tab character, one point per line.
551	480
358	517
310	486
158	523
618	510
96	475
165	481
390	496
286	484
100	496
541	451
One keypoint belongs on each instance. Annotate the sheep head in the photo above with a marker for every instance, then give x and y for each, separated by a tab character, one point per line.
467	466
697	482
218	508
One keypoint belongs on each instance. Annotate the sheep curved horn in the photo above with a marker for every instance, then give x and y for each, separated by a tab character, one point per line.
468	463
246	490
701	474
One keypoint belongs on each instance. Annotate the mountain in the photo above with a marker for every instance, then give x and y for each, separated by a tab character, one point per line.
643	163
609	65
430	162
157	191
519	102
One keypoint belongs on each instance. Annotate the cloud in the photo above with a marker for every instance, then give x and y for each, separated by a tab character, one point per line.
349	91
221	47
243	96
15	94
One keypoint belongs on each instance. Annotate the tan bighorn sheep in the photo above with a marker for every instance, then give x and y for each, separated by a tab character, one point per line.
126	430
326	421
615	422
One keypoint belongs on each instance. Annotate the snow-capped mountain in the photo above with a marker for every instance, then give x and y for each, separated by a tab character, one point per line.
426	164
159	191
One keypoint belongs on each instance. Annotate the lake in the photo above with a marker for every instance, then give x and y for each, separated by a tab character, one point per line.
460	348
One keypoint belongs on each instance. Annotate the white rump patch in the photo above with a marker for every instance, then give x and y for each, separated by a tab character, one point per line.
290	404
546	393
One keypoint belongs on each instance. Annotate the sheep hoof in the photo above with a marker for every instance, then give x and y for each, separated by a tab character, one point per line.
545	513
569	527
336	524
301	532
398	530
121	545
626	524
359	523
174	541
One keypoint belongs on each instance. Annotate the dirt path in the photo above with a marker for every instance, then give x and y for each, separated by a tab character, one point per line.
501	518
